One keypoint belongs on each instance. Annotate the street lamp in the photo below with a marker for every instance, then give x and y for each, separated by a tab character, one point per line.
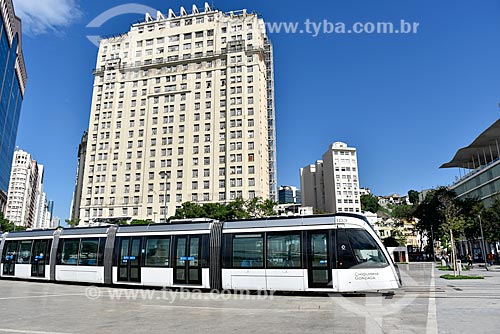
482	242
164	175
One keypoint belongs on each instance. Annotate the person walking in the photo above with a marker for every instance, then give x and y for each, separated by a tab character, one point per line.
469	261
490	258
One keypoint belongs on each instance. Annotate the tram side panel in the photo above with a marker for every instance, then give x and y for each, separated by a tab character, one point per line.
165	260
26	258
337	257
81	259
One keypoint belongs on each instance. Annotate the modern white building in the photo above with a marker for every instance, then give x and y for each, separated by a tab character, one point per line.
331	185
182	110
25	200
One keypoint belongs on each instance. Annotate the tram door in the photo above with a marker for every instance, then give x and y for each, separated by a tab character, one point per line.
129	265
39	258
319	259
10	255
187	264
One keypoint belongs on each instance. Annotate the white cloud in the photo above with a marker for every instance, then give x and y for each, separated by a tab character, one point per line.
42	16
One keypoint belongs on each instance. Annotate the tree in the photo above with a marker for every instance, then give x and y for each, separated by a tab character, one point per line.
7	226
403	212
141	222
237	209
189	210
414	197
491	219
267	208
369	203
72	222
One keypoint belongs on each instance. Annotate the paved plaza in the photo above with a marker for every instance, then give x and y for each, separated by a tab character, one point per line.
426	304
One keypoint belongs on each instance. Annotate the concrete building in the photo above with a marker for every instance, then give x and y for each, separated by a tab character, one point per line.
289	195
13	82
24	190
77	193
478	167
331	185
55	222
182	110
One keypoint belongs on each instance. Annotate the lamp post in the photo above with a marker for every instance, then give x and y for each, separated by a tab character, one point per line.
433	249
483	247
164	175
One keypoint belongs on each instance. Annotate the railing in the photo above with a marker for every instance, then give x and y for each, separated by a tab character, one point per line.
474	171
157	62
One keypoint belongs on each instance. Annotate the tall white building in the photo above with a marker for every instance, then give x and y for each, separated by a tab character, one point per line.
182	110
24	185
331	185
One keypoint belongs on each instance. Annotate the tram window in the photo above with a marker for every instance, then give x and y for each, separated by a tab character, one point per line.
205	252
226	250
366	251
88	252
69	253
24	253
49	248
9	252
283	251
157	252
345	257
248	251
100	255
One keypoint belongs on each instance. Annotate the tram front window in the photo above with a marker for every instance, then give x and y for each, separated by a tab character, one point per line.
357	249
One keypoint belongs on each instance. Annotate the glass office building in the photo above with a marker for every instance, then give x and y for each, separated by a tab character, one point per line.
12	84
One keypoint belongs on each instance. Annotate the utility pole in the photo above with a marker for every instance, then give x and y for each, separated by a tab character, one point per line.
482	243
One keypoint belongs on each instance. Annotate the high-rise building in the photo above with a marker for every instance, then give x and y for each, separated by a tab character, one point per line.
182	110
289	195
77	194
331	185
24	190
12	83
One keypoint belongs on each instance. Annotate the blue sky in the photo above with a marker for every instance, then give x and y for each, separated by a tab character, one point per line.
407	102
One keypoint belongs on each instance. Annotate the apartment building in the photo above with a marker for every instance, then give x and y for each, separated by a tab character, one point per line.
182	110
25	189
331	185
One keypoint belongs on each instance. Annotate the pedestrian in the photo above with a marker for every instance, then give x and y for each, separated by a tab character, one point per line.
447	260
469	261
490	258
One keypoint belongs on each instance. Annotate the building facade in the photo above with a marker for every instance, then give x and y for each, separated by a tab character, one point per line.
478	167
182	110
12	84
289	195
331	185
77	193
25	190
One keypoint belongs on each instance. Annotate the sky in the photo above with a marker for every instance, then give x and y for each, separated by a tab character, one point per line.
407	102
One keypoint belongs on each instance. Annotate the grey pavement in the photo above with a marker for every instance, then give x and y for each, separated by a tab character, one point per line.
426	304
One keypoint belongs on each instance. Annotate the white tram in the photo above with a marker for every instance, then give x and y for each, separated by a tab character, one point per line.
331	253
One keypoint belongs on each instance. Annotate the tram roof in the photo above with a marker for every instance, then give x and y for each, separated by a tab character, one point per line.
289	221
